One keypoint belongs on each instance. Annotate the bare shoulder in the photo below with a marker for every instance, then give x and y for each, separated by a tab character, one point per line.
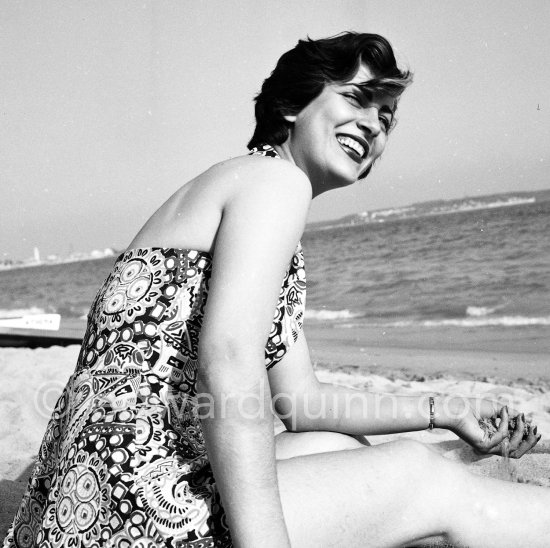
262	175
246	187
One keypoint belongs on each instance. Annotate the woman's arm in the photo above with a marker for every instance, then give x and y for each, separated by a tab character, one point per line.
261	225
305	404
360	412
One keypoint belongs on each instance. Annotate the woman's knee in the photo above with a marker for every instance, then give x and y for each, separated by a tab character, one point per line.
417	459
293	444
413	451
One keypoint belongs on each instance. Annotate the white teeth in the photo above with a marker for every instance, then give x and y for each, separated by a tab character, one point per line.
351	143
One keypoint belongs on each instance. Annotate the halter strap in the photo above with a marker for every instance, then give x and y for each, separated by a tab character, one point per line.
265	150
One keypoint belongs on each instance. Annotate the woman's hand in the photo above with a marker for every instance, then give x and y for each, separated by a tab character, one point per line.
492	429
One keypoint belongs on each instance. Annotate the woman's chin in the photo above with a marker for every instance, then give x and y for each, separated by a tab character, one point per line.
346	178
337	175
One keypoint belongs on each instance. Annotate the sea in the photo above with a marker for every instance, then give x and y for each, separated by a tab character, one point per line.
470	269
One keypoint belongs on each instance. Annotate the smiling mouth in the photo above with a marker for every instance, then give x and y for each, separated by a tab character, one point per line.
352	147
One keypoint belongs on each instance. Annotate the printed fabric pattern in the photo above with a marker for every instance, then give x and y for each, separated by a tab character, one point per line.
123	462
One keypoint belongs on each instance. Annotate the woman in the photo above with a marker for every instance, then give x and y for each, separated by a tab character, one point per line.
164	433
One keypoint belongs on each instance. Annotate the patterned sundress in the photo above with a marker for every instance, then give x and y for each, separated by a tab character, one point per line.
123	462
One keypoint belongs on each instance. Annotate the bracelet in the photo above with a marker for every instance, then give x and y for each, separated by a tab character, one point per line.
432	413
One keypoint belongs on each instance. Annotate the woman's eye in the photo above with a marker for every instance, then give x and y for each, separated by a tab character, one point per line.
386	122
353	99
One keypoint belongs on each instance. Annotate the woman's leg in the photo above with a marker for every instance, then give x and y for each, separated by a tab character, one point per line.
294	444
401	492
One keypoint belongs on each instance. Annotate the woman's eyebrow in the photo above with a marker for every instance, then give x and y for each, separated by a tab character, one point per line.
368	91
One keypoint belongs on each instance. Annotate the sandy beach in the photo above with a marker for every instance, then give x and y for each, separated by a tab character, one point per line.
514	370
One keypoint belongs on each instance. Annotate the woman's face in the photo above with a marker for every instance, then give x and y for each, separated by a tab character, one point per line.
337	136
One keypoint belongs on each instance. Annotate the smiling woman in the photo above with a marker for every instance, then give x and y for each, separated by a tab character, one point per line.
359	67
164	434
342	118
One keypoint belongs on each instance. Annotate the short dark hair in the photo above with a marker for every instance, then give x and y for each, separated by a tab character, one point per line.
303	72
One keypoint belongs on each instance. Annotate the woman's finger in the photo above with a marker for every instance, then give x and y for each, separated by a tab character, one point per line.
493	444
501	434
517	435
526	445
504	415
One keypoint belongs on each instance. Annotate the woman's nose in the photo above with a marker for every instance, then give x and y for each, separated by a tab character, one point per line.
369	121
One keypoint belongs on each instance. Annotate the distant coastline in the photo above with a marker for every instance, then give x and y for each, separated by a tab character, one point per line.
422	209
54	259
436	207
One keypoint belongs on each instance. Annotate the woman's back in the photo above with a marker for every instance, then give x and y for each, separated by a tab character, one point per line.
190	218
123	456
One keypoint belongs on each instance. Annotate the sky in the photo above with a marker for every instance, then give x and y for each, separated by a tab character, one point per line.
107	108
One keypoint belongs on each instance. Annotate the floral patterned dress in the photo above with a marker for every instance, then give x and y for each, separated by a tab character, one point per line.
123	462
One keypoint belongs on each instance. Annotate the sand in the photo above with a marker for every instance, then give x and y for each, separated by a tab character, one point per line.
517	373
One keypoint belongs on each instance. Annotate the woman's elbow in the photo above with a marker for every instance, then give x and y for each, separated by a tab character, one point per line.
234	379
293	413
225	359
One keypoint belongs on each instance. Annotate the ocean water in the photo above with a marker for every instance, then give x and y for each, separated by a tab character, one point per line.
469	269
473	269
